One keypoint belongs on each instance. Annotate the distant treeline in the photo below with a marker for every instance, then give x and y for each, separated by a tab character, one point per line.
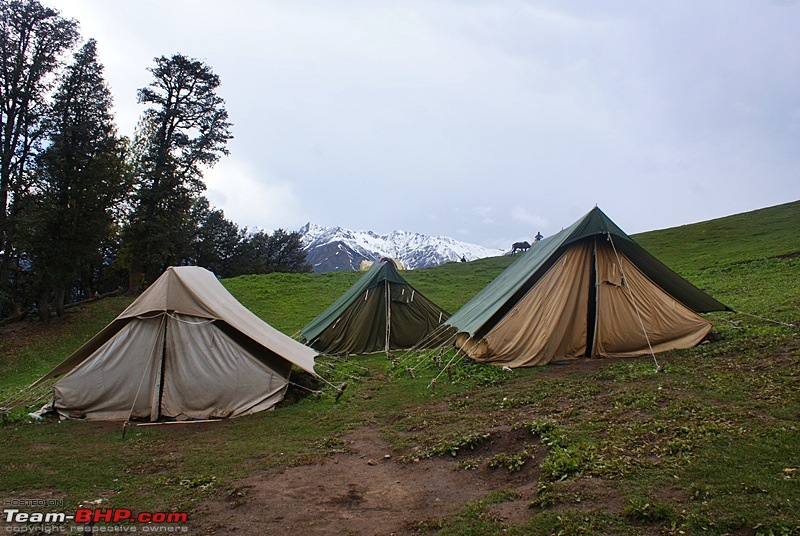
86	211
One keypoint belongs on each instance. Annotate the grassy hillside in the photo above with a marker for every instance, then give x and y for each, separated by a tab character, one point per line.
761	234
607	447
290	301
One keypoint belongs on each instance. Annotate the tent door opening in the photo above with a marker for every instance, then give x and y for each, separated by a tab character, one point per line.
591	309
155	403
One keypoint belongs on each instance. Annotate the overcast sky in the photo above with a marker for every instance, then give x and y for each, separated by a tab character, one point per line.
486	121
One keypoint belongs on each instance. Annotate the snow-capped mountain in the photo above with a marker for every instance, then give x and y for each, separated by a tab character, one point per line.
330	249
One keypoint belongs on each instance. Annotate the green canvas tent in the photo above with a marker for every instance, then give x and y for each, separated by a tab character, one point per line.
589	290
380	312
184	349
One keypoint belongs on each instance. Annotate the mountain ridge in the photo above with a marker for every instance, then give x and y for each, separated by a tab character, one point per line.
331	249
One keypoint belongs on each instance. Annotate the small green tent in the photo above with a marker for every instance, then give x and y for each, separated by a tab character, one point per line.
380	312
589	290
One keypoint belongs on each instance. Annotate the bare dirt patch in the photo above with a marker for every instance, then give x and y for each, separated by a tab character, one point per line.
365	491
372	490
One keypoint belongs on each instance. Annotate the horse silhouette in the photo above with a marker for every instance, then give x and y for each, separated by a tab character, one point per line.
519	246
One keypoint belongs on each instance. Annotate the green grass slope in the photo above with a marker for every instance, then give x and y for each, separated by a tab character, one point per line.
757	235
710	446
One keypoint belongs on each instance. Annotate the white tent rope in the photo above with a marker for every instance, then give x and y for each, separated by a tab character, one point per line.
315	391
633	301
457	355
460	354
22	397
432	351
436	333
412	352
175	317
331	369
768	319
423	357
144	317
343	360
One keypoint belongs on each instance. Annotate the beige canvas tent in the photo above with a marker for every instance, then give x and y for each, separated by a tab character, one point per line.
589	290
185	349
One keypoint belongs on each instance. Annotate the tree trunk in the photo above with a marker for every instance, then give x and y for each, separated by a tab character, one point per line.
44	306
60	293
135	278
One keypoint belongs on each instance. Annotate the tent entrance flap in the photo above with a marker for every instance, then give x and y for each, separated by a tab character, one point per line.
591	308
550	320
220	381
155	405
121	379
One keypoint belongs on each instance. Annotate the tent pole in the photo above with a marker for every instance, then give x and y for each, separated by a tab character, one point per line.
388	316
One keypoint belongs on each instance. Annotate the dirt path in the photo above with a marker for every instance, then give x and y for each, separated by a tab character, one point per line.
368	491
365	491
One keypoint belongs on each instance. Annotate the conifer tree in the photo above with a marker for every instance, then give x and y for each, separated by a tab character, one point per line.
80	181
185	130
32	39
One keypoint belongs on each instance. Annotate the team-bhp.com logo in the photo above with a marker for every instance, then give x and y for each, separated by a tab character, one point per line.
89	518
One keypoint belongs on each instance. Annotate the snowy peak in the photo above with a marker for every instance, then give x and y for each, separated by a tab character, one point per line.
331	249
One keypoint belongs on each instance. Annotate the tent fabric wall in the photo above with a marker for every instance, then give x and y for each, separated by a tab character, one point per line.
125	367
550	320
368	313
184	348
414	318
221	379
627	312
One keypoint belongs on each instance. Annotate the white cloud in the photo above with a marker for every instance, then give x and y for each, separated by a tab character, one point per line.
522	215
253	200
485	214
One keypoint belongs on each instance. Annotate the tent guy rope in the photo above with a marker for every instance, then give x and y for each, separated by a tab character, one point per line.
659	368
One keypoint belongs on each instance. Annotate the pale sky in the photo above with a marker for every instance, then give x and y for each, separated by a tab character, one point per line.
485	121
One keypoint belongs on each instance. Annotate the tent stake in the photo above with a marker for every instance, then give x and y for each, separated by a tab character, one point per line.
340	392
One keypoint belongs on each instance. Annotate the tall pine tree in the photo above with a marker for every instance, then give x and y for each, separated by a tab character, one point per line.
81	181
185	130
32	39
